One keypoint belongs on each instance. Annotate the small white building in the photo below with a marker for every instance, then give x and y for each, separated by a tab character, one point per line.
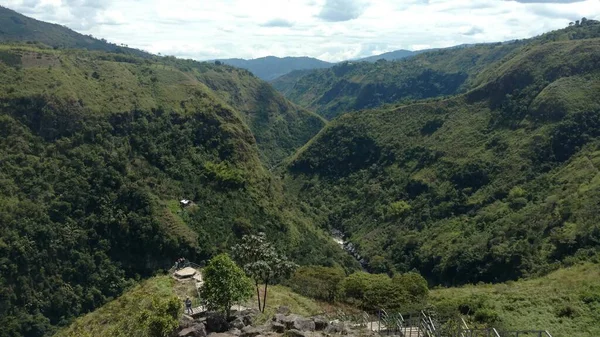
185	202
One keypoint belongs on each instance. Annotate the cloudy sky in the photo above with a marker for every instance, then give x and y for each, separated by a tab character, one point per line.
331	30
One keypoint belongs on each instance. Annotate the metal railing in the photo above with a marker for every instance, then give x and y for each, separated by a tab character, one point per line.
422	324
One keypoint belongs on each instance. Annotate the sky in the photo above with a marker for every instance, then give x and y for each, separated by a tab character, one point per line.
331	30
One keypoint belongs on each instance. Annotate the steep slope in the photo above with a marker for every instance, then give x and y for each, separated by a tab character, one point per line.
489	186
352	86
270	67
96	151
280	127
17	27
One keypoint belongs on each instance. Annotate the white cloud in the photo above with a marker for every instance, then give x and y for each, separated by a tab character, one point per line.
277	23
342	10
333	30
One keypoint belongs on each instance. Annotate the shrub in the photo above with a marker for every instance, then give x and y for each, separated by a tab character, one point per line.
322	283
486	316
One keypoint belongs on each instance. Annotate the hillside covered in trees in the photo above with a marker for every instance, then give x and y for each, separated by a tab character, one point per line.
352	86
18	27
97	150
493	185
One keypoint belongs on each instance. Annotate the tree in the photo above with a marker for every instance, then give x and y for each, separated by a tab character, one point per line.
262	263
224	284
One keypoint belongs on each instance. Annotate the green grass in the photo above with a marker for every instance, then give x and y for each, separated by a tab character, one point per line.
565	302
283	296
120	316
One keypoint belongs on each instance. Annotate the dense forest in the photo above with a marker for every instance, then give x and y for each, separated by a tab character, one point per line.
97	149
354	85
493	185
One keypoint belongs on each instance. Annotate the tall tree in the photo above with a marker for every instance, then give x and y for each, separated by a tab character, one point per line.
262	263
224	284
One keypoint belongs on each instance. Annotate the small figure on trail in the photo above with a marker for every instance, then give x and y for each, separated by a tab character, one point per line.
188	306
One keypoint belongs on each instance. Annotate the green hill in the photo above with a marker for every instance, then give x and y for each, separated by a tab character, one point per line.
352	86
96	151
565	303
280	127
492	185
18	27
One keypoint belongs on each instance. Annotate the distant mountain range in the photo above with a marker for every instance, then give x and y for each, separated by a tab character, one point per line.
391	56
270	67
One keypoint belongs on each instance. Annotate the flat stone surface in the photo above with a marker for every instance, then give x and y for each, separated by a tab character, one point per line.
185	272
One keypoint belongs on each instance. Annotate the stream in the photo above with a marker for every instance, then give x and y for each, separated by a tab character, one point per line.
338	237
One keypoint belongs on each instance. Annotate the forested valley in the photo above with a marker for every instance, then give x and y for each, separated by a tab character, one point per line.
475	164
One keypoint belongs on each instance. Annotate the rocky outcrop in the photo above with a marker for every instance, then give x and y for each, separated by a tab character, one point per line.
196	330
216	322
283	324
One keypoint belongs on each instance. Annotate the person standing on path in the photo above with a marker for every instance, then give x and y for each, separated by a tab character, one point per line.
188	306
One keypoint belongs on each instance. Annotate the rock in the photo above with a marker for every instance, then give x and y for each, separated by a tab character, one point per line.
185	273
337	327
251	331
288	321
284	310
294	333
185	322
197	330
278	327
234	332
219	334
216	322
279	318
247	320
304	324
320	323
249	312
238	323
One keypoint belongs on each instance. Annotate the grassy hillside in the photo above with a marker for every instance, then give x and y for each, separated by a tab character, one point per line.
17	27
145	310
352	86
566	303
270	67
96	151
490	186
279	127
